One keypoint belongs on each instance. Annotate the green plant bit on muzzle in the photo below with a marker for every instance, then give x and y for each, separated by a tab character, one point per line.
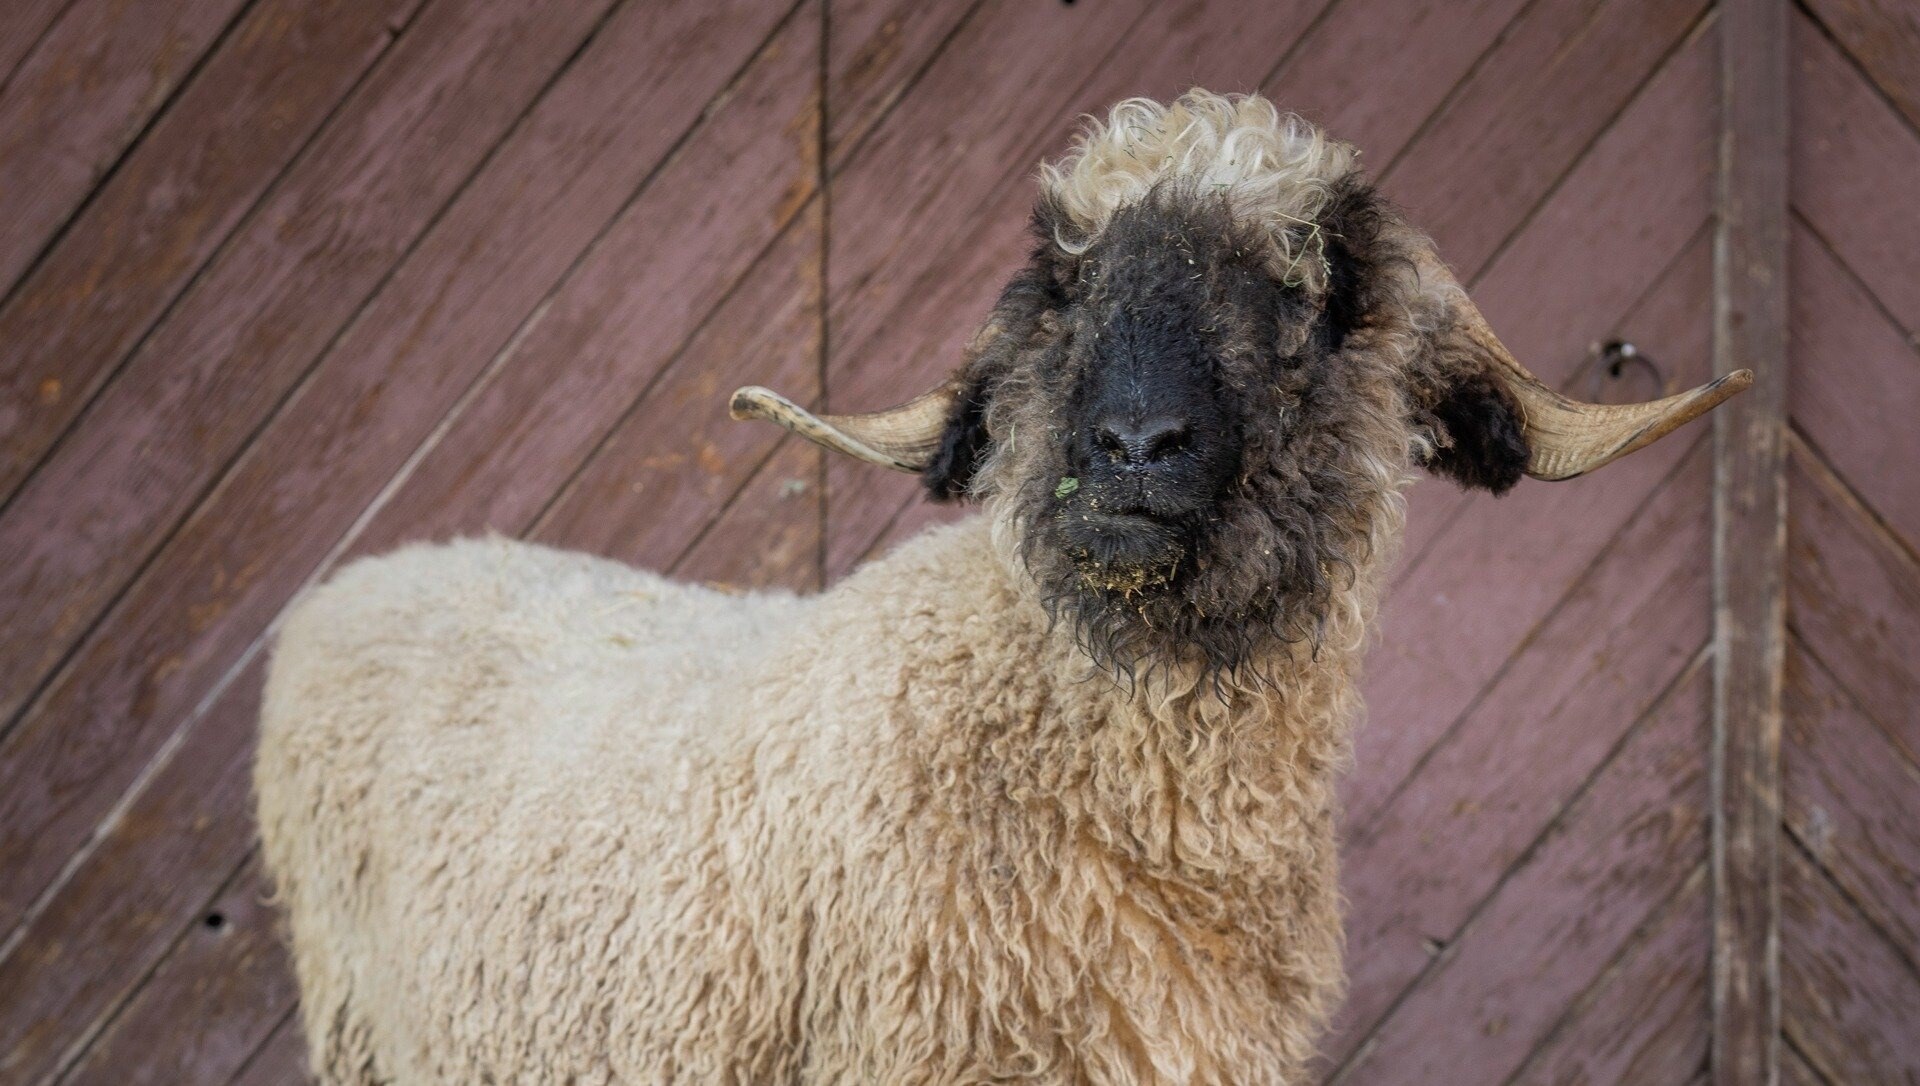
1068	485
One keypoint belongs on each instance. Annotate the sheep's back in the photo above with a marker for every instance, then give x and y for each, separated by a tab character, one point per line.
488	769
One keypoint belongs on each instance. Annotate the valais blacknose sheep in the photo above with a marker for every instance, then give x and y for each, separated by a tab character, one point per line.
1045	796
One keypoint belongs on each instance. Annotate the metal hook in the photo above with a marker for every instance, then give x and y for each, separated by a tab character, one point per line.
1611	360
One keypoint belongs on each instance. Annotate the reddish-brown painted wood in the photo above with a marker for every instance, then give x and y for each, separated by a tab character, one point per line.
176	198
1645	1019
1482	798
767	91
253	324
1750	314
676	461
60	132
1883	37
1848	1000
1852	799
1853	157
1854	596
281	1061
1855	385
1485	577
228	976
1560	914
135	893
22	23
318	465
1561	72
875	49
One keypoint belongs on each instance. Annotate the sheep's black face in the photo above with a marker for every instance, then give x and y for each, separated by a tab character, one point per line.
1191	460
1153	437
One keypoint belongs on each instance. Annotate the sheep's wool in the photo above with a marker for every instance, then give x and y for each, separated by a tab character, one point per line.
538	817
1273	168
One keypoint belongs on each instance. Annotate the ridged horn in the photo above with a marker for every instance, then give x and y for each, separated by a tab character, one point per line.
903	438
1568	437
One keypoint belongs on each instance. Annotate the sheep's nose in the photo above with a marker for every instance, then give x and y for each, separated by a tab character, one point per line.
1140	442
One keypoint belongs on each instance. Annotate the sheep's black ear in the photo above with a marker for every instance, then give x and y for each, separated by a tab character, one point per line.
1479	440
1351	228
963	445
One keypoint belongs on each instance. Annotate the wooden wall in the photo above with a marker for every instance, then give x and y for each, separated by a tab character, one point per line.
283	282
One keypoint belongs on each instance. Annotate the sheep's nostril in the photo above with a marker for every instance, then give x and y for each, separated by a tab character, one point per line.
1141	442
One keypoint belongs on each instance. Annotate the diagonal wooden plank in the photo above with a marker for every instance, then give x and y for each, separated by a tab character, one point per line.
875	49
675	461
1560	74
280	1061
1619	852
1628	629
1855	385
1645	1019
135	895
373	398
1490	574
216	997
22	25
1883	37
91	939
178	196
231	350
1848	1001
1852	800
1852	156
76	103
1855	599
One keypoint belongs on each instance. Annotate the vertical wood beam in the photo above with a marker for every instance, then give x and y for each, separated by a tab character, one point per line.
1749	541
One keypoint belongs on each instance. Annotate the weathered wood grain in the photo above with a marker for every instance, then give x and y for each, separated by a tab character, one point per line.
1852	158
281	1061
1593	249
1645	1019
169	206
1854	596
1606	866
619	310
1559	75
372	400
1480	800
1855	385
875	49
1335	77
1848	1001
216	996
1852	799
22	24
134	894
1796	1071
628	311
79	99
1750	316
1884	38
676	461
249	329
1492	573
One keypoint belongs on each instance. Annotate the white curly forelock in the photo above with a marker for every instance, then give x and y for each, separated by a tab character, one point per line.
1274	169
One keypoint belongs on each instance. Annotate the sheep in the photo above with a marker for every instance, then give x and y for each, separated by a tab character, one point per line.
1046	795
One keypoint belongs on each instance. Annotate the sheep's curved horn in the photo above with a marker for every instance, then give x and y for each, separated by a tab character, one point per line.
903	438
1568	437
